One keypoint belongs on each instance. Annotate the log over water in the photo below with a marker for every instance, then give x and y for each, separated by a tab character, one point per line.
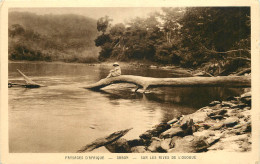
150	82
104	141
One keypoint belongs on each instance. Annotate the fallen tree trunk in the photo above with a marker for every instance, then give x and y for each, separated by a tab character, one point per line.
29	82
248	70
150	82
104	141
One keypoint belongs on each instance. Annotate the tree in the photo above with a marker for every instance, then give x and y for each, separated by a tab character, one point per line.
15	29
103	23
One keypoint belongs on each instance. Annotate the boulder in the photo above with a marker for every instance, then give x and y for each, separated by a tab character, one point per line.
231	121
146	135
247	108
213	140
243	137
155	144
246	100
218	112
217	107
228	104
197	117
204	133
199	144
213	103
155	132
247	127
158	129
247	94
216	117
139	149
174	131
246	113
135	142
166	144
119	146
189	144
217	126
172	121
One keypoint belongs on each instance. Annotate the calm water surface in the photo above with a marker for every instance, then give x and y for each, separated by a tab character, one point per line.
63	116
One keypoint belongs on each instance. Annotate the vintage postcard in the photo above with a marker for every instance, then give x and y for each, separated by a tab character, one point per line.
130	81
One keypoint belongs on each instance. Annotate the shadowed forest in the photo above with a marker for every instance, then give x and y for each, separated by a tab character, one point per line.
213	39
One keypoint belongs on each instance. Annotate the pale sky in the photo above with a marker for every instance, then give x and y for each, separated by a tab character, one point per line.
118	14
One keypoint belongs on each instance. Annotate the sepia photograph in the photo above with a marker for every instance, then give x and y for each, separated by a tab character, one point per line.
129	80
87	82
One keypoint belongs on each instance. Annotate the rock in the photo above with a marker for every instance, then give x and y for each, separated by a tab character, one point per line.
139	149
239	115
243	137
199	144
166	144
172	121
247	127
238	126
174	131
135	142
119	146
155	144
189	144
173	140
219	117
245	146
246	100
155	132
246	113
247	108
226	146
240	105
248	94
147	135
213	103
204	133
213	140
231	121
189	127
216	107
219	112
228	104
197	117
158	129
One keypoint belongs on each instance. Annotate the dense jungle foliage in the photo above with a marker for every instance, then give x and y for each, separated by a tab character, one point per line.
217	39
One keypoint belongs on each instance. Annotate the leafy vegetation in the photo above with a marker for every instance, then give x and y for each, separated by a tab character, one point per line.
213	38
66	38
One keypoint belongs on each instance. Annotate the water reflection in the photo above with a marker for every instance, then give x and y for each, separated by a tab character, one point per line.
48	119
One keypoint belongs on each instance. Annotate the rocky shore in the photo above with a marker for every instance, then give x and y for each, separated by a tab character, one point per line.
220	126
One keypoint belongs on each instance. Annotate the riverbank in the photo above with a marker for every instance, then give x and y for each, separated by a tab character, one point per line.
220	126
130	65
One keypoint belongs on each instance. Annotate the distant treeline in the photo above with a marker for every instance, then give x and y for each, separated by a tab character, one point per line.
217	38
214	38
68	38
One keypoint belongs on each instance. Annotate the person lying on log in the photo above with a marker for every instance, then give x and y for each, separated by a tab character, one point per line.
115	72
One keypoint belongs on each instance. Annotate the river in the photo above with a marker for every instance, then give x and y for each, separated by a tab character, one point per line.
63	117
